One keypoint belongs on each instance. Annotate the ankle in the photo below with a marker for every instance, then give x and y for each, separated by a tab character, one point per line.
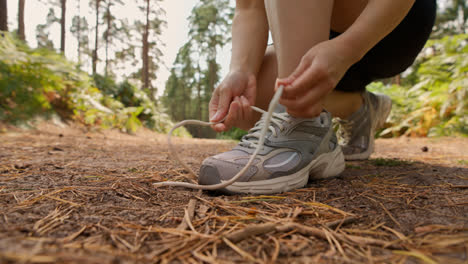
343	104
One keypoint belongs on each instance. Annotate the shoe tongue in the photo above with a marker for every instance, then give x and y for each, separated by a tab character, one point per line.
279	109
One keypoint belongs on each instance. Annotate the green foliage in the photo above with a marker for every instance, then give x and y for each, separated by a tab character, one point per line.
195	72
39	81
451	20
435	102
233	133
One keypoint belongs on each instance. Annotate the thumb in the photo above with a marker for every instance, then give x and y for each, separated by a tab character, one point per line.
251	91
223	106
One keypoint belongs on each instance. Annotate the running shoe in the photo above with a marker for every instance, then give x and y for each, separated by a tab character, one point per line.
295	150
356	134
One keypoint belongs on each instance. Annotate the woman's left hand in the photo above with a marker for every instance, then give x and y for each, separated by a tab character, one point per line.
319	71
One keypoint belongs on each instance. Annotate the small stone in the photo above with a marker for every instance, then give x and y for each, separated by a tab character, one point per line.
22	166
425	149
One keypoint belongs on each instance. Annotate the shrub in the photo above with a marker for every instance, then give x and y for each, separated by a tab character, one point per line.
41	82
437	104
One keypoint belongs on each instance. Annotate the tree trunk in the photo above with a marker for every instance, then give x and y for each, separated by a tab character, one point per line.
96	42
3	15
145	54
80	44
62	23
106	36
199	101
211	79
21	34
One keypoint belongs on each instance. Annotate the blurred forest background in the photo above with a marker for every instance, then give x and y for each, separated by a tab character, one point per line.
111	80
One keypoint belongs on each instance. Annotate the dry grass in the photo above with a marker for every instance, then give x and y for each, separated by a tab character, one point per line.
70	197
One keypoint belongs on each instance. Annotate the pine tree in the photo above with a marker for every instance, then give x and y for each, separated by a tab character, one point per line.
3	15
21	7
209	31
453	19
42	31
112	30
63	6
195	71
96	6
150	28
180	84
80	30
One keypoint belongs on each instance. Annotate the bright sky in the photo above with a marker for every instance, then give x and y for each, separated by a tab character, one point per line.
174	36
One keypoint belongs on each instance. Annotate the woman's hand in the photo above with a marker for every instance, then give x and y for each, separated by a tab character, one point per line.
232	99
319	71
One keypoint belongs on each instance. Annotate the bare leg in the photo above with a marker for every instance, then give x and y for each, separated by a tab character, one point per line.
296	27
343	14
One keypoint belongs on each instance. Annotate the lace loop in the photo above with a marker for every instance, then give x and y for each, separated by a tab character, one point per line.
252	138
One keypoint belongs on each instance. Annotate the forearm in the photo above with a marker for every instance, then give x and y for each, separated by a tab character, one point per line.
249	36
377	20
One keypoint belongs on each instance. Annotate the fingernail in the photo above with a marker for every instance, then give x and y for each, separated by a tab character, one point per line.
215	117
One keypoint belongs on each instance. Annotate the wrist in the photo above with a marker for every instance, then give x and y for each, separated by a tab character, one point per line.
241	70
350	48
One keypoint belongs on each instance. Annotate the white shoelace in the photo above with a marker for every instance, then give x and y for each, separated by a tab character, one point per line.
251	140
258	144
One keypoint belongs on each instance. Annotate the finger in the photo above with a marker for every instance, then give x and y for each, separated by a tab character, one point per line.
213	105
251	90
300	69
233	114
225	99
313	96
246	109
219	127
310	77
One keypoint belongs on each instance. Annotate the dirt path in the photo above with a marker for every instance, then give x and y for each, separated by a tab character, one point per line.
71	197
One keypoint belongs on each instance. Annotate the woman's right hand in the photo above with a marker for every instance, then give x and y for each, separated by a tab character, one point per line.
232	99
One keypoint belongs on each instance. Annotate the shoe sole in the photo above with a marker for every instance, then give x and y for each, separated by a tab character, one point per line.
327	165
383	111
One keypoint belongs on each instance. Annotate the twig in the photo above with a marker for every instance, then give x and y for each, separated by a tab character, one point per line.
341	222
74	235
249	231
190	212
390	215
239	251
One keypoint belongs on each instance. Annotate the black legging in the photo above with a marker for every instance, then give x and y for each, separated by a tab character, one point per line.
396	52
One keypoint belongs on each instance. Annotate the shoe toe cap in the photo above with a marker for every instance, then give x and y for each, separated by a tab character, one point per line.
214	171
209	175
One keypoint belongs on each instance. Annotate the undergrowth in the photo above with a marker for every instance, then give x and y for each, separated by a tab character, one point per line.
433	98
40	82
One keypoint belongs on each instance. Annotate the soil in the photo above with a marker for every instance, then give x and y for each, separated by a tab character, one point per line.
69	196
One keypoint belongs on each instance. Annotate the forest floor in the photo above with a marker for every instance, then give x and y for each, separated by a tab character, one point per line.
68	196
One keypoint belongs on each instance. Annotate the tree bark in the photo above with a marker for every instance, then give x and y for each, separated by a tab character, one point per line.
62	24
80	44
3	15
96	42
21	33
145	54
106	36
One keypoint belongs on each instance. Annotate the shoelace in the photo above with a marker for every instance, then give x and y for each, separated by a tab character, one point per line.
259	145
252	138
